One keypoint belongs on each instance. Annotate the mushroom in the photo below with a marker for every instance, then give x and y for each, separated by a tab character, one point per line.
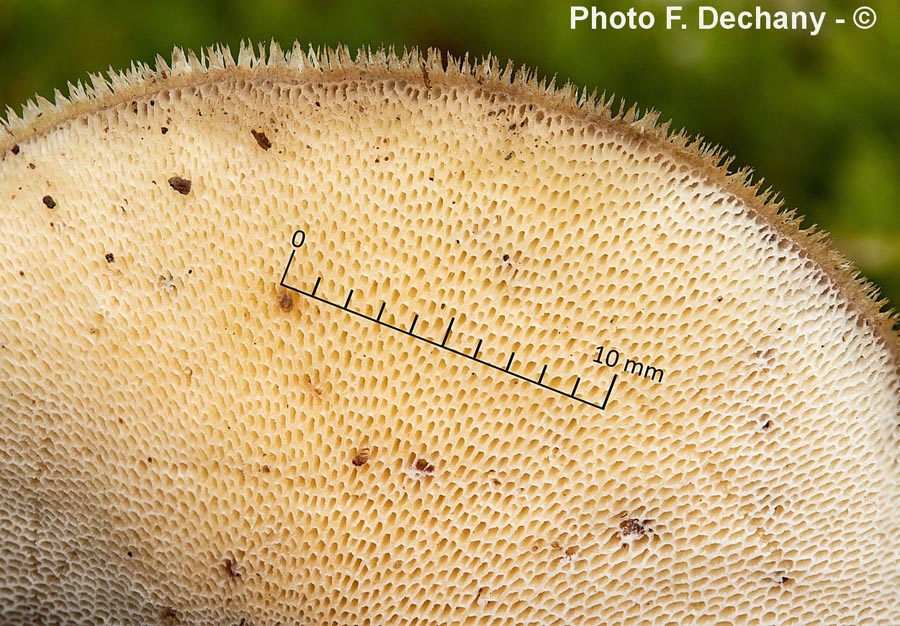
305	339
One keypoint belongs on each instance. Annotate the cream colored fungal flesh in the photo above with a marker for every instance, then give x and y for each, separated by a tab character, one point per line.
185	440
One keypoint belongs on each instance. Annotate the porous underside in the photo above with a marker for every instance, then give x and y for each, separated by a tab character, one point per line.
185	440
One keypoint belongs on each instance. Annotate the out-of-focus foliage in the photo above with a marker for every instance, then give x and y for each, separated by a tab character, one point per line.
817	117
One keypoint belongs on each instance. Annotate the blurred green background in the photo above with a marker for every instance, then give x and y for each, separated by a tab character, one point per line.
817	117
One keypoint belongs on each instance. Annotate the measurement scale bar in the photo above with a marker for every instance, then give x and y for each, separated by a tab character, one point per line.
443	343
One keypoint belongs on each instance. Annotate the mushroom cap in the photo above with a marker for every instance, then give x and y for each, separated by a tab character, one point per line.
200	422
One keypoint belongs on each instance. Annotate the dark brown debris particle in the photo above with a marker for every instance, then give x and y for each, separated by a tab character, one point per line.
164	130
632	528
261	139
424	466
110	257
49	202
285	302
361	458
15	149
181	185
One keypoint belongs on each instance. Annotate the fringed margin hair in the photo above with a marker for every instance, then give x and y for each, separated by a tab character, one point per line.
185	68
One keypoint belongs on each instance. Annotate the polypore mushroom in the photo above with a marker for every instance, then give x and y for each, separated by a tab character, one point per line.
296	339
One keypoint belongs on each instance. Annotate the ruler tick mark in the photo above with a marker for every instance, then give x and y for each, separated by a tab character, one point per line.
577	380
447	334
